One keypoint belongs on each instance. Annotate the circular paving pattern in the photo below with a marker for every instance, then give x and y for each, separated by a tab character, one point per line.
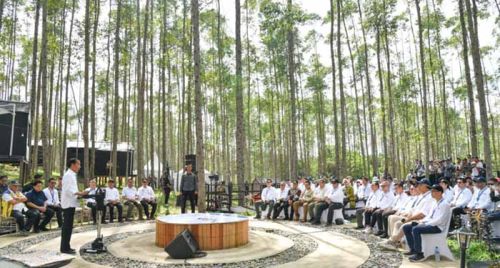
309	246
302	245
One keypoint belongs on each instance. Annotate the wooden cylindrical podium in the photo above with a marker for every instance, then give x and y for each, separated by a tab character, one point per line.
212	231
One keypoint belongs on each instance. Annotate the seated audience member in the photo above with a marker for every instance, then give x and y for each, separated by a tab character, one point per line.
91	203
129	194
305	199
37	204
460	201
13	206
480	200
350	198
364	190
268	198
494	185
448	192
4	186
29	186
293	195
403	211
112	199
53	203
334	200
371	205
432	223
382	217
421	208
384	202
147	198
319	202
281	201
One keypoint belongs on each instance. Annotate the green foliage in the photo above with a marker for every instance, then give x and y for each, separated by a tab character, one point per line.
478	251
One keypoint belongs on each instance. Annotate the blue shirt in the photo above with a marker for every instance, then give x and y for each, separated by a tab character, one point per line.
37	198
3	188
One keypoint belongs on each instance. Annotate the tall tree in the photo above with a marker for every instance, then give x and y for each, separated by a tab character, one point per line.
116	66
291	80
479	79
240	124
200	150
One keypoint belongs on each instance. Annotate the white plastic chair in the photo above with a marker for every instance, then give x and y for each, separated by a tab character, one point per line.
431	241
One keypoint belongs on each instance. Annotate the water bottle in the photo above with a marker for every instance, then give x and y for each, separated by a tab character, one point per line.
437	256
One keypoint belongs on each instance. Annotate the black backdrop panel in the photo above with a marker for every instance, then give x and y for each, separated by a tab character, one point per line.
101	161
20	135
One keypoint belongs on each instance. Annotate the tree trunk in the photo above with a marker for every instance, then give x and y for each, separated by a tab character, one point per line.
334	96
291	78
240	124
116	98
424	87
195	20
479	79
34	93
43	91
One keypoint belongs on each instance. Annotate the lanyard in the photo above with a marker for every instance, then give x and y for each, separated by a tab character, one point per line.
437	206
52	195
425	195
459	194
480	193
383	195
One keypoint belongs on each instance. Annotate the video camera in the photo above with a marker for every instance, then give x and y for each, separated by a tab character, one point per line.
98	195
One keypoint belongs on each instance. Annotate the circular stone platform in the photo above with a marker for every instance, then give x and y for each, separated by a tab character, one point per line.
212	231
262	244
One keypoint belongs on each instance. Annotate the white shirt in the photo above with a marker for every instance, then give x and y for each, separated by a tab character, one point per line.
373	199
282	194
111	194
336	195
129	193
448	195
424	204
90	192
438	215
399	201
8	196
385	200
321	193
146	193
52	196
462	198
481	199
69	189
408	205
269	194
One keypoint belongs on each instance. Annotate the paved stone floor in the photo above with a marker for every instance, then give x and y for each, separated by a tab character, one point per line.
334	247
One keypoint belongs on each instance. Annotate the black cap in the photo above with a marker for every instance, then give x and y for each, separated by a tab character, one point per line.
480	179
425	181
437	188
14	182
334	180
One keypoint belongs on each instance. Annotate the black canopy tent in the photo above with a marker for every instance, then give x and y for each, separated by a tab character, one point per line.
125	158
14	125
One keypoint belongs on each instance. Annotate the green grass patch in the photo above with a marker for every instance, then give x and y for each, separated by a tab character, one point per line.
478	251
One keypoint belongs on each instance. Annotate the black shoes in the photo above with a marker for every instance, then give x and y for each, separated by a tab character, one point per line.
69	251
417	257
409	253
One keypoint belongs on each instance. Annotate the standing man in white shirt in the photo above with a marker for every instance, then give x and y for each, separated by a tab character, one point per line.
147	197
268	198
69	203
433	223
53	200
112	200
129	194
281	202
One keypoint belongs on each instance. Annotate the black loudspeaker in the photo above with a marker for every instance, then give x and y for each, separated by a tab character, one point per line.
19	125
184	246
190	159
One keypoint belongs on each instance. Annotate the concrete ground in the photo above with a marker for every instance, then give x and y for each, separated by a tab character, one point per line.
334	249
